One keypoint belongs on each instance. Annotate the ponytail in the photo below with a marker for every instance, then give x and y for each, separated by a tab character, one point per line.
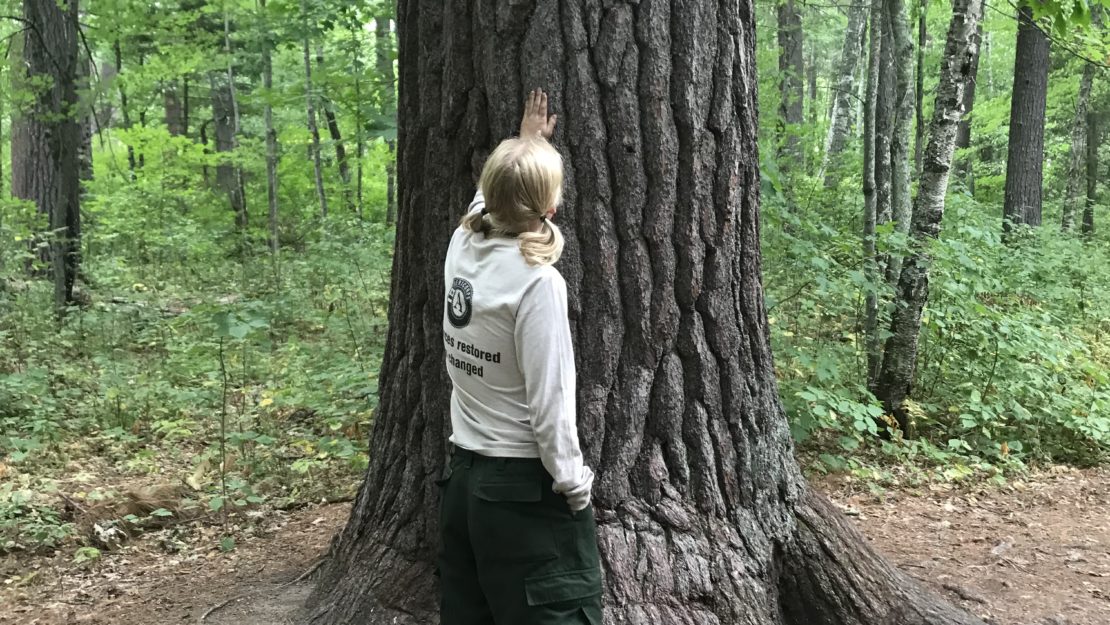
543	247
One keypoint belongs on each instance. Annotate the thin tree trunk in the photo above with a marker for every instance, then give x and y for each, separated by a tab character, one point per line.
1093	139
1077	163
885	112
919	100
171	104
310	109
185	105
900	355
123	107
336	136
703	515
791	76
383	47
1025	154
846	90
271	134
870	190
965	165
47	135
900	172
811	92
228	174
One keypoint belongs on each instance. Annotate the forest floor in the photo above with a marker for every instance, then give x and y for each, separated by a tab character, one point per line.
1034	551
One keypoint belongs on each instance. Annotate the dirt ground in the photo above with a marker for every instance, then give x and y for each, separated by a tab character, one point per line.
1033	552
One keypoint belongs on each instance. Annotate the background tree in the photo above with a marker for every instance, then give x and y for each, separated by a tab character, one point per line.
791	78
1025	156
47	133
697	481
846	90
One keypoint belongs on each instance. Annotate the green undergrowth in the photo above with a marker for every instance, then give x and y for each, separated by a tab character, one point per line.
1014	360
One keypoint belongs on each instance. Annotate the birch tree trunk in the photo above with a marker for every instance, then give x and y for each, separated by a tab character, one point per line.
845	91
903	104
884	122
1025	154
965	165
703	515
900	355
870	190
271	134
919	92
382	52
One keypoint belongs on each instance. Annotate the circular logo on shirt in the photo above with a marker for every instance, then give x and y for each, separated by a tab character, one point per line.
458	303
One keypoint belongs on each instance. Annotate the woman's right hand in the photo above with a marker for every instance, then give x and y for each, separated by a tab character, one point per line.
536	121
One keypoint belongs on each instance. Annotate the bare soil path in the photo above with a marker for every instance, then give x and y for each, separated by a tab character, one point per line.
1033	552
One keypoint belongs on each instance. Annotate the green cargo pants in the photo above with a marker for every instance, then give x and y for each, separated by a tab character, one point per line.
512	552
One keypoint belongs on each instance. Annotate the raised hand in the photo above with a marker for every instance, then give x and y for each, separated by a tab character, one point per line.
536	121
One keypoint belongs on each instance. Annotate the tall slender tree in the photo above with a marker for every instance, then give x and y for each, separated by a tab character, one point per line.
1094	134
271	133
900	353
845	90
703	515
1077	158
1025	154
903	114
383	52
965	165
870	186
919	91
791	79
310	112
336	135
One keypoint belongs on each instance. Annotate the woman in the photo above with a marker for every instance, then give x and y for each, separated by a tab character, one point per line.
519	543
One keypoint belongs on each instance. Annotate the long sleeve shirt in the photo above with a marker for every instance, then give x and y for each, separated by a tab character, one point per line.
511	359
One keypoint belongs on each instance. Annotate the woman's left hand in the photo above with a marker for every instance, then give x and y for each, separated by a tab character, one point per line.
536	121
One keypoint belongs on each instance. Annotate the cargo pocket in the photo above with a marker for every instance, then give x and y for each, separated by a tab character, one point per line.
508	522
565	586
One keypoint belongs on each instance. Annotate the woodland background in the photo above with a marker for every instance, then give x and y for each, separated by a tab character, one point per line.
207	351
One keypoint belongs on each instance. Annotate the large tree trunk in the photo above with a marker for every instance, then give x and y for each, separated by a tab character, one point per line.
902	56
46	136
271	133
965	165
870	187
1025	155
336	136
383	48
703	515
900	354
844	96
791	80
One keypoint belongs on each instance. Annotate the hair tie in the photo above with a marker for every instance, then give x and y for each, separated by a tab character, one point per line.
485	211
543	219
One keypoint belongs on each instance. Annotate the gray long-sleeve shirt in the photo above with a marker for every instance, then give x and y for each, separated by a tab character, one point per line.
511	359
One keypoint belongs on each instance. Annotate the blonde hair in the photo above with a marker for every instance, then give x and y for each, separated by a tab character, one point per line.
521	180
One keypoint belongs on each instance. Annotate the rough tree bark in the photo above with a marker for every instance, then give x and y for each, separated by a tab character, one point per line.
884	120
900	353
313	129
46	135
965	165
870	189
271	133
844	96
703	515
791	80
336	136
1025	154
903	104
383	47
